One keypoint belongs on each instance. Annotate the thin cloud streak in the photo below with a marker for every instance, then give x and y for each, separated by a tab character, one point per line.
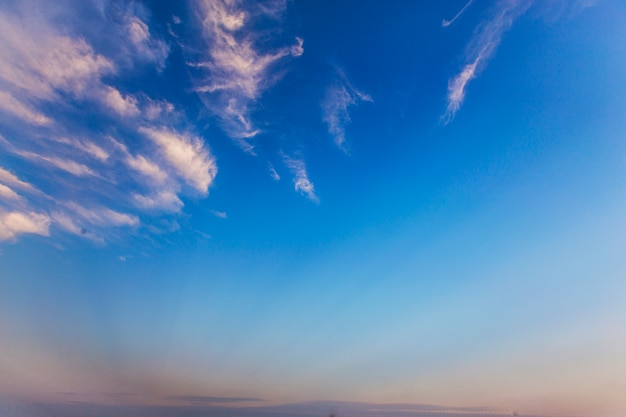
12	105
338	99
445	23
481	49
9	178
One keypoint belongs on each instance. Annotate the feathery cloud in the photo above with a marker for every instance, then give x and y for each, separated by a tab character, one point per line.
7	193
187	155
12	105
481	49
9	178
66	97
301	180
238	72
338	99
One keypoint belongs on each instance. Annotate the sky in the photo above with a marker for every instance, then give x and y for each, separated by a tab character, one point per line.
233	203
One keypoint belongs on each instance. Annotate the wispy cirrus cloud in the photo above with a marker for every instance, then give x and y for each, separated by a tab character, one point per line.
186	154
445	23
301	180
10	179
105	158
10	104
238	70
339	97
488	35
481	49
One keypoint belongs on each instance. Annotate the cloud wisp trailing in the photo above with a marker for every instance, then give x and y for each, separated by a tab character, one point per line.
237	70
339	97
481	49
301	180
97	158
445	23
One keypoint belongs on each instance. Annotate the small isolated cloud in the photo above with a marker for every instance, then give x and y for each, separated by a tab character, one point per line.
481	49
219	214
301	180
298	49
340	96
273	173
238	72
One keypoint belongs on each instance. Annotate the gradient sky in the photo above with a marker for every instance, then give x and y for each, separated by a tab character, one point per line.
234	202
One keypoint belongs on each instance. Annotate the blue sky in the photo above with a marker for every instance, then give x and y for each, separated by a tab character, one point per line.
287	201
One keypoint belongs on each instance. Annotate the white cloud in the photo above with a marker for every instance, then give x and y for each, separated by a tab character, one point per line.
67	165
12	105
301	180
71	225
297	50
40	61
156	109
123	105
273	173
53	78
145	46
7	193
164	199
186	154
137	30
219	214
456	87
87	147
338	99
102	216
238	72
8	178
66	223
481	48
15	223
445	23
147	168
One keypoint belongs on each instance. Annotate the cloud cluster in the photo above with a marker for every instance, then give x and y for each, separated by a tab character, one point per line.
238	71
340	96
96	155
